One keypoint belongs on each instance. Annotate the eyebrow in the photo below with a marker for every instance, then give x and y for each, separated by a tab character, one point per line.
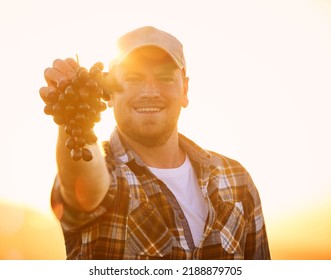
158	71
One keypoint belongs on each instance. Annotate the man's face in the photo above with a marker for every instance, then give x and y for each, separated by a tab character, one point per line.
154	90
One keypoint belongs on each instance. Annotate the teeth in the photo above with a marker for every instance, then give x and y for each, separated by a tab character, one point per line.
148	109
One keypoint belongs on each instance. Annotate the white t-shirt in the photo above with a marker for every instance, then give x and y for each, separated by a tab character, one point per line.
183	183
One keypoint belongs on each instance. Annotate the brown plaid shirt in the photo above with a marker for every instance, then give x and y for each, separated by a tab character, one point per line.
139	218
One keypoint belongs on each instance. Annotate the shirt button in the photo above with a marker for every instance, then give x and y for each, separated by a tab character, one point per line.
181	216
150	206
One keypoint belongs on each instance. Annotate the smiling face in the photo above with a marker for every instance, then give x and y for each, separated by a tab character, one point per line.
154	91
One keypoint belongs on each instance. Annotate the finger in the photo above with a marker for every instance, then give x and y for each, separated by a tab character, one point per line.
53	76
72	63
48	94
64	67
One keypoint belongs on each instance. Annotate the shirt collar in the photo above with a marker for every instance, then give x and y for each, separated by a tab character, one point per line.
194	152
123	153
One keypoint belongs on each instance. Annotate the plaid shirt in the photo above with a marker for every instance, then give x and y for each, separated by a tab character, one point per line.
139	218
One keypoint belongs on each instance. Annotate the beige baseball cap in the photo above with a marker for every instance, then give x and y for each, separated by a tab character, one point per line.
150	36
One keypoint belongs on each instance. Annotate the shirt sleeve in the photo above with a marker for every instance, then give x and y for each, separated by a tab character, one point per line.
257	246
71	219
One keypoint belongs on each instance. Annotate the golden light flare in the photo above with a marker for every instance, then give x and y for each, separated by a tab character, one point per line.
303	236
12	219
27	234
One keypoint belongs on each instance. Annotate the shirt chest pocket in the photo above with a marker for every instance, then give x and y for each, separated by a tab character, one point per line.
147	236
230	225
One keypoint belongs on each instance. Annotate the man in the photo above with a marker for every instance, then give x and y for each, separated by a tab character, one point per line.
155	194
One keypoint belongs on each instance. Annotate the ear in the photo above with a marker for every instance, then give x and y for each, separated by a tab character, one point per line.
184	101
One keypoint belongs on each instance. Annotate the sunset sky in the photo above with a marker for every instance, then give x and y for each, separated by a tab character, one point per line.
260	92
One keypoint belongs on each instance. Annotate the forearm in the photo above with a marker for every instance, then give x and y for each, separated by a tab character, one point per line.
83	184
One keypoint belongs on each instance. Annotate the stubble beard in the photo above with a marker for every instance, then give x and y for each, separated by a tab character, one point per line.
150	133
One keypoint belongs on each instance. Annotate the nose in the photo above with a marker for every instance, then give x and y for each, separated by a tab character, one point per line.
150	88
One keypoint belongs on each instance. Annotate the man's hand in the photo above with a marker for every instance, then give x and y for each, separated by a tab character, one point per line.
62	71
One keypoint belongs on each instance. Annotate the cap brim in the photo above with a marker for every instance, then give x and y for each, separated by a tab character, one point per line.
123	56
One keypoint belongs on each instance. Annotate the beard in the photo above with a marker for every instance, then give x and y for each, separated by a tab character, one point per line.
149	133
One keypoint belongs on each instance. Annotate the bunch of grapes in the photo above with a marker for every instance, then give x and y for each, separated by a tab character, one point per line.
77	104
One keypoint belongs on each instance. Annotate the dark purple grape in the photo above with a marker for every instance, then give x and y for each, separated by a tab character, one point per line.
70	143
57	109
91	113
62	98
80	118
97	117
102	106
69	93
70	110
86	154
76	153
106	95
61	85
98	65
97	93
84	107
68	128
52	95
48	109
96	73
90	137
75	83
93	101
83	94
58	119
83	75
76	131
88	124
92	84
80	142
42	93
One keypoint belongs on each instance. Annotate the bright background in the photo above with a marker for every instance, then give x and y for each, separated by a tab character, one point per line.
260	87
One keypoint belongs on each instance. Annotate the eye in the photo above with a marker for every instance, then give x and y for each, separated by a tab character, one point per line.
132	79
166	79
